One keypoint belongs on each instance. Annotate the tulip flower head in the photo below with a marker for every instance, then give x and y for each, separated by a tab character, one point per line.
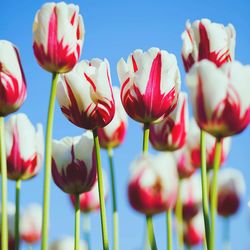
58	35
89	201
194	230
150	83
113	134
170	133
66	243
12	80
153	184
193	145
85	94
24	147
31	224
74	163
204	39
231	189
219	97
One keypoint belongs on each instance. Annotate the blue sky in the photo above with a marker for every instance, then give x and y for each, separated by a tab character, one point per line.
113	30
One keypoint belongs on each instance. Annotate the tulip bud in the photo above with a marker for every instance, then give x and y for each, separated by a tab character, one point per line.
66	243
74	163
89	201
150	83
153	184
231	188
31	224
85	94
206	40
193	145
58	35
113	134
220	109
170	133
194	231
24	147
12	80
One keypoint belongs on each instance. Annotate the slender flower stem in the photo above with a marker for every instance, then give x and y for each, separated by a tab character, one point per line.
188	247
151	235
145	138
114	203
204	187
86	229
17	235
101	193
214	197
29	247
179	217
4	228
47	169
226	231
77	221
169	228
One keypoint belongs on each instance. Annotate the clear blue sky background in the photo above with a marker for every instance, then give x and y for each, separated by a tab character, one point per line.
113	30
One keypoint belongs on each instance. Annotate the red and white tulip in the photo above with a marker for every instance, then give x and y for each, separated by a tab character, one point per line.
170	133
31	224
193	145
219	97
231	189
13	88
85	94
58	34
74	163
66	243
204	39
113	134
153	184
150	83
24	147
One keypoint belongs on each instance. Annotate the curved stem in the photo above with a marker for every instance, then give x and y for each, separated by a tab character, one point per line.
114	203
204	187
17	235
179	217
169	229
151	235
101	193
145	138
4	225
86	229
214	197
47	169
77	221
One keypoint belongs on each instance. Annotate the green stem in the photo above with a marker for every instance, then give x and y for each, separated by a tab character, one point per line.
86	229
204	187
47	169
226	231
77	221
169	228
17	235
101	193
179	217
188	247
151	235
145	138
114	203
4	226
213	208
29	247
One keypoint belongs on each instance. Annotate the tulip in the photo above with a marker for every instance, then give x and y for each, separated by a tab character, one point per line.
150	83
231	189
113	134
66	243
85	94
31	224
170	133
194	231
153	184
219	97
58	34
74	163
24	147
206	40
193	145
